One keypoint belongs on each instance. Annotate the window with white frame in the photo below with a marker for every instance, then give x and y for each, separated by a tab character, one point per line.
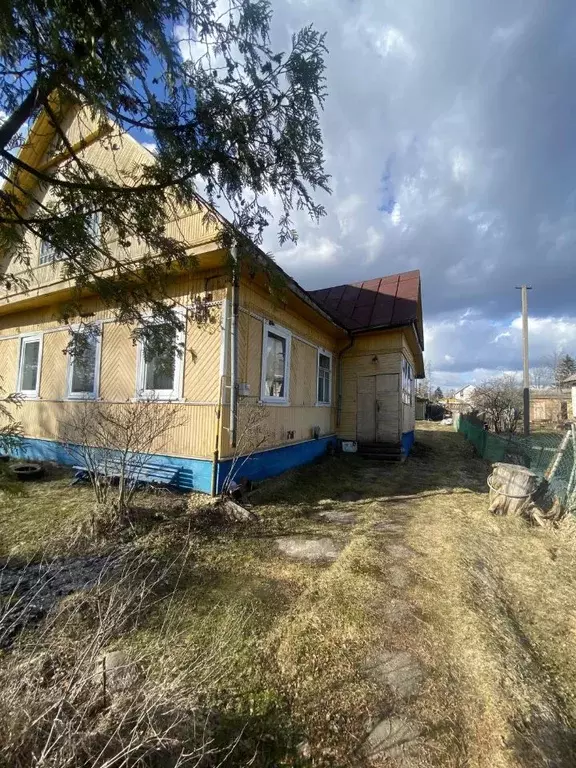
407	382
275	364
29	365
160	371
49	254
324	378
84	363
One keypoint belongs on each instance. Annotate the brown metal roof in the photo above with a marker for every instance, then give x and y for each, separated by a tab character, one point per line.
379	303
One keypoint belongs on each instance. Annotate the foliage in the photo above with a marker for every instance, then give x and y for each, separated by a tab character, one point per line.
10	433
233	121
116	443
566	367
500	400
438	395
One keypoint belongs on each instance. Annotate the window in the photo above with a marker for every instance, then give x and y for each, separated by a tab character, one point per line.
407	383
49	254
160	373
275	364
324	378
29	366
84	364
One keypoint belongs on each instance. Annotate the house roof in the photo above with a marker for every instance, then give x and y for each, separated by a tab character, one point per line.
383	302
570	379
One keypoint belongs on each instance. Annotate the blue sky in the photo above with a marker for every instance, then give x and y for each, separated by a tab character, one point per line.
450	134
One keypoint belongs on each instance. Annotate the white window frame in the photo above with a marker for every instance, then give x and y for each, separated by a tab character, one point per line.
327	354
70	370
161	394
270	327
25	339
407	382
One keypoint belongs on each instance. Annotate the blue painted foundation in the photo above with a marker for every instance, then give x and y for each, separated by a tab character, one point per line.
407	442
192	473
276	460
196	474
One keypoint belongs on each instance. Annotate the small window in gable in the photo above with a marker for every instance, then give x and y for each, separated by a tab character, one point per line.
49	254
29	366
275	365
84	364
324	378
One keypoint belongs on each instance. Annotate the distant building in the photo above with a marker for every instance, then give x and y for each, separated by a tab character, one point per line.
550	405
465	394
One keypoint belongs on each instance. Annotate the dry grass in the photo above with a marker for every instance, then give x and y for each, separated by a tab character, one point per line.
487	605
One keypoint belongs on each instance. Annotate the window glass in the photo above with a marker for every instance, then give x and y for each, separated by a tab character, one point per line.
47	253
275	366
83	363
324	365
159	369
29	363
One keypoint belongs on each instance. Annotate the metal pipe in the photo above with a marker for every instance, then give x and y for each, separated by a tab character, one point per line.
339	408
234	349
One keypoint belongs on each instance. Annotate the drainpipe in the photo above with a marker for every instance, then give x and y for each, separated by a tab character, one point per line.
221	390
234	349
339	408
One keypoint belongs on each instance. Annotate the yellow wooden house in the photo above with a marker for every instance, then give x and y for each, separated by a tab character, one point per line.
322	366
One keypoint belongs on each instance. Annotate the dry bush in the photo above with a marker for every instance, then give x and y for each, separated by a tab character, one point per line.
252	434
113	441
68	702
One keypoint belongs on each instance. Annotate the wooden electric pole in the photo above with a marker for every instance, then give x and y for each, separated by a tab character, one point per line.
526	367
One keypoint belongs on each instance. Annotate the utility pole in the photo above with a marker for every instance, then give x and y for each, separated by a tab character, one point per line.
526	384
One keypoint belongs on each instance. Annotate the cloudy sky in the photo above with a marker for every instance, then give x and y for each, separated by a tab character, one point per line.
450	134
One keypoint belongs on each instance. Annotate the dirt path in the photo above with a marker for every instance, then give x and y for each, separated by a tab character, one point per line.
482	613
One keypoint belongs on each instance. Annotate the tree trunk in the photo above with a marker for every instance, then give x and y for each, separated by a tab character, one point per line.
511	488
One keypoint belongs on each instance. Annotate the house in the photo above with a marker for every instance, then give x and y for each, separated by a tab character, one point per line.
465	394
550	405
570	381
337	363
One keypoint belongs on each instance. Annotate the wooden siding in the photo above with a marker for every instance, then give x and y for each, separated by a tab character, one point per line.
189	226
408	411
359	361
301	414
44	418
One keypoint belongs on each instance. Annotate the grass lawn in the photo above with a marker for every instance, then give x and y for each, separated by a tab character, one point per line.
484	607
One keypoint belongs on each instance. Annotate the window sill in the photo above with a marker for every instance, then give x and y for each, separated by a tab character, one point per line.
29	395
323	405
157	399
81	398
274	401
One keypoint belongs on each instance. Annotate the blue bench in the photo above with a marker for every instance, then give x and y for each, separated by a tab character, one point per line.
149	474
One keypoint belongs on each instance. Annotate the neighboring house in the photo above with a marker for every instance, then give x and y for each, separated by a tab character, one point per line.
328	364
550	405
465	394
570	381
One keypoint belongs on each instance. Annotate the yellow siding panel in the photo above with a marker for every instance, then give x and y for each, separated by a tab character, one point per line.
202	360
54	365
355	365
9	351
118	364
192	435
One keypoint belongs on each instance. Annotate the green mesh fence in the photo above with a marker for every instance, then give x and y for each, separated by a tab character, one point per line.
537	452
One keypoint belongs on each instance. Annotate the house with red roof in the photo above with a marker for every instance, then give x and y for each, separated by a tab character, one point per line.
269	375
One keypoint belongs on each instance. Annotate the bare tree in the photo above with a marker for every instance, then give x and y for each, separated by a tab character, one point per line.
500	401
68	700
116	443
253	433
